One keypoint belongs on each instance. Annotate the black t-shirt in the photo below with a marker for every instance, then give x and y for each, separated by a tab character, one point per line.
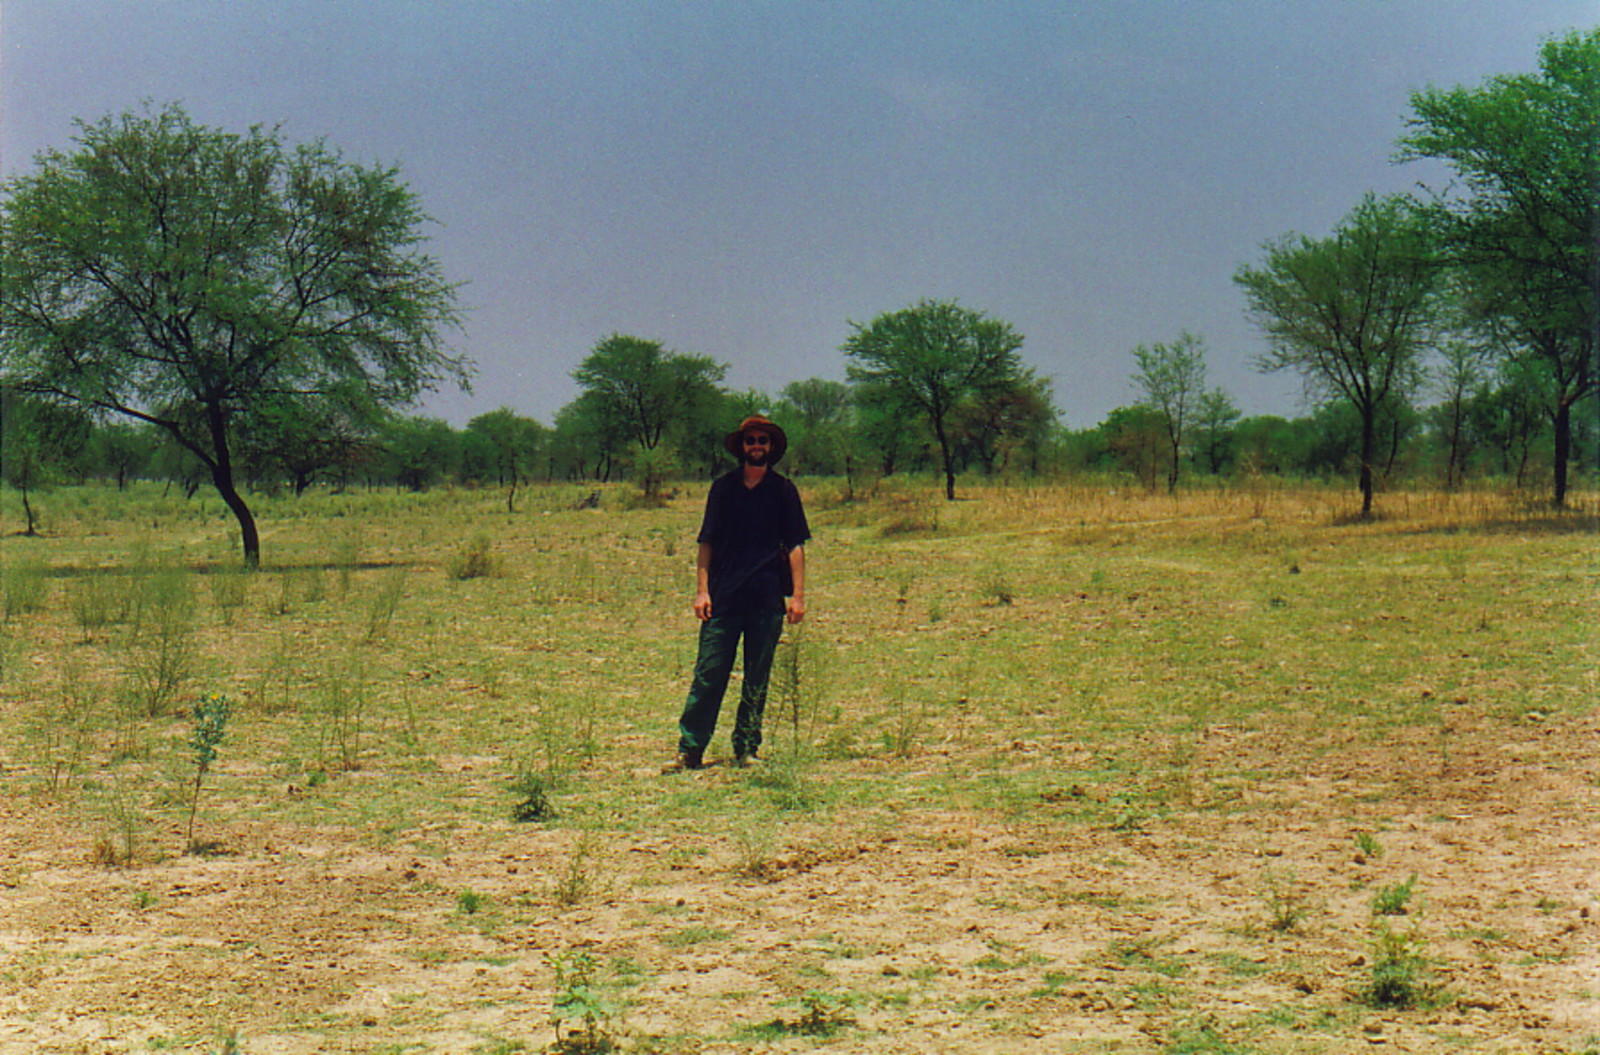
751	531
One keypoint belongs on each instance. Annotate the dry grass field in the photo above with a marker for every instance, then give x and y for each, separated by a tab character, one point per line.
1049	769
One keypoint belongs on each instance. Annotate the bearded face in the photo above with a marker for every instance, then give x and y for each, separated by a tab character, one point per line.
756	446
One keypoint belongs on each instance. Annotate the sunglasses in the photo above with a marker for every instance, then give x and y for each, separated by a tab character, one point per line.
757	439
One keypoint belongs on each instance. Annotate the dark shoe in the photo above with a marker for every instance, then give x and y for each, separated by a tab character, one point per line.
687	760
746	761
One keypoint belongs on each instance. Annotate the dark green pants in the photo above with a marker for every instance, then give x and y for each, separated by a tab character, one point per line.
719	640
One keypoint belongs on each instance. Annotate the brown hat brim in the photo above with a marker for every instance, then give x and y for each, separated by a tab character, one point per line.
733	442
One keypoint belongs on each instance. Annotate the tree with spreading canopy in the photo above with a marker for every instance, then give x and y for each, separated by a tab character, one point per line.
653	398
1172	378
930	358
504	446
1353	312
1523	218
642	390
191	278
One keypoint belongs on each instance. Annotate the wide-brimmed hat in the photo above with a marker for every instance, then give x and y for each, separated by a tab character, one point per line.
734	441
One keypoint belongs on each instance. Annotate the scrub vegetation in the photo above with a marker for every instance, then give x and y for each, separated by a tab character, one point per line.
1066	768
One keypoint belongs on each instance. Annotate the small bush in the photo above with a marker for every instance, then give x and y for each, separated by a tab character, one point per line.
534	800
583	1009
98	600
473	560
1286	904
1401	976
1394	900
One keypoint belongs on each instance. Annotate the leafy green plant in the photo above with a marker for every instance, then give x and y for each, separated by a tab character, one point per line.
1368	844
583	1010
469	902
822	1014
210	724
1394	900
1401	976
533	803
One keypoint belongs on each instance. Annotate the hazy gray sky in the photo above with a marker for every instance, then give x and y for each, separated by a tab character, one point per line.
741	179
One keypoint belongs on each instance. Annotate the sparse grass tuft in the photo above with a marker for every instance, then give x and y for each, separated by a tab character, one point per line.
473	559
1286	903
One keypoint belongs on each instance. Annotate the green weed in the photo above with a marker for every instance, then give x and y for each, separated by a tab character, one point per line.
584	1008
1394	900
473	559
384	604
210	725
1401	975
1286	903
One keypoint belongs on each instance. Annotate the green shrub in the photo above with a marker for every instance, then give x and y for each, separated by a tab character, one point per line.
1402	976
1394	900
473	560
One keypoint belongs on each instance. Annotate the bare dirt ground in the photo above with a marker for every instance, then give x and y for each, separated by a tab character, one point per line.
914	930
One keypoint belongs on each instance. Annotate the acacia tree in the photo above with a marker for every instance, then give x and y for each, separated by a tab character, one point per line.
642	388
1001	422
187	276
932	356
1461	371
1353	312
1215	417
1524	220
1172	378
504	444
817	412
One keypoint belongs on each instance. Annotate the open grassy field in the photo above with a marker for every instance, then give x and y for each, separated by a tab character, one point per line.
1049	769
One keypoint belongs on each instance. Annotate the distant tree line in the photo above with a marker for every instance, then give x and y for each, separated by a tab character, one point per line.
224	310
1494	428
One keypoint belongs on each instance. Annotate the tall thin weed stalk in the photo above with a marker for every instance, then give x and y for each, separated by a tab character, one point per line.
344	697
381	611
165	646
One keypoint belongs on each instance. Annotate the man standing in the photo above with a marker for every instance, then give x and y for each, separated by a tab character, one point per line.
750	575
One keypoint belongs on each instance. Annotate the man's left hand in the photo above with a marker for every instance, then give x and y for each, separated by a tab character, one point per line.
797	609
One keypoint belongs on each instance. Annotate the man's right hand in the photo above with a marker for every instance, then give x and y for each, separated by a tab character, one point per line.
702	606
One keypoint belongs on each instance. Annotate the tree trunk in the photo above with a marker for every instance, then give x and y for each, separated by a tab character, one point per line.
1563	450
1369	445
222	477
948	459
27	512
